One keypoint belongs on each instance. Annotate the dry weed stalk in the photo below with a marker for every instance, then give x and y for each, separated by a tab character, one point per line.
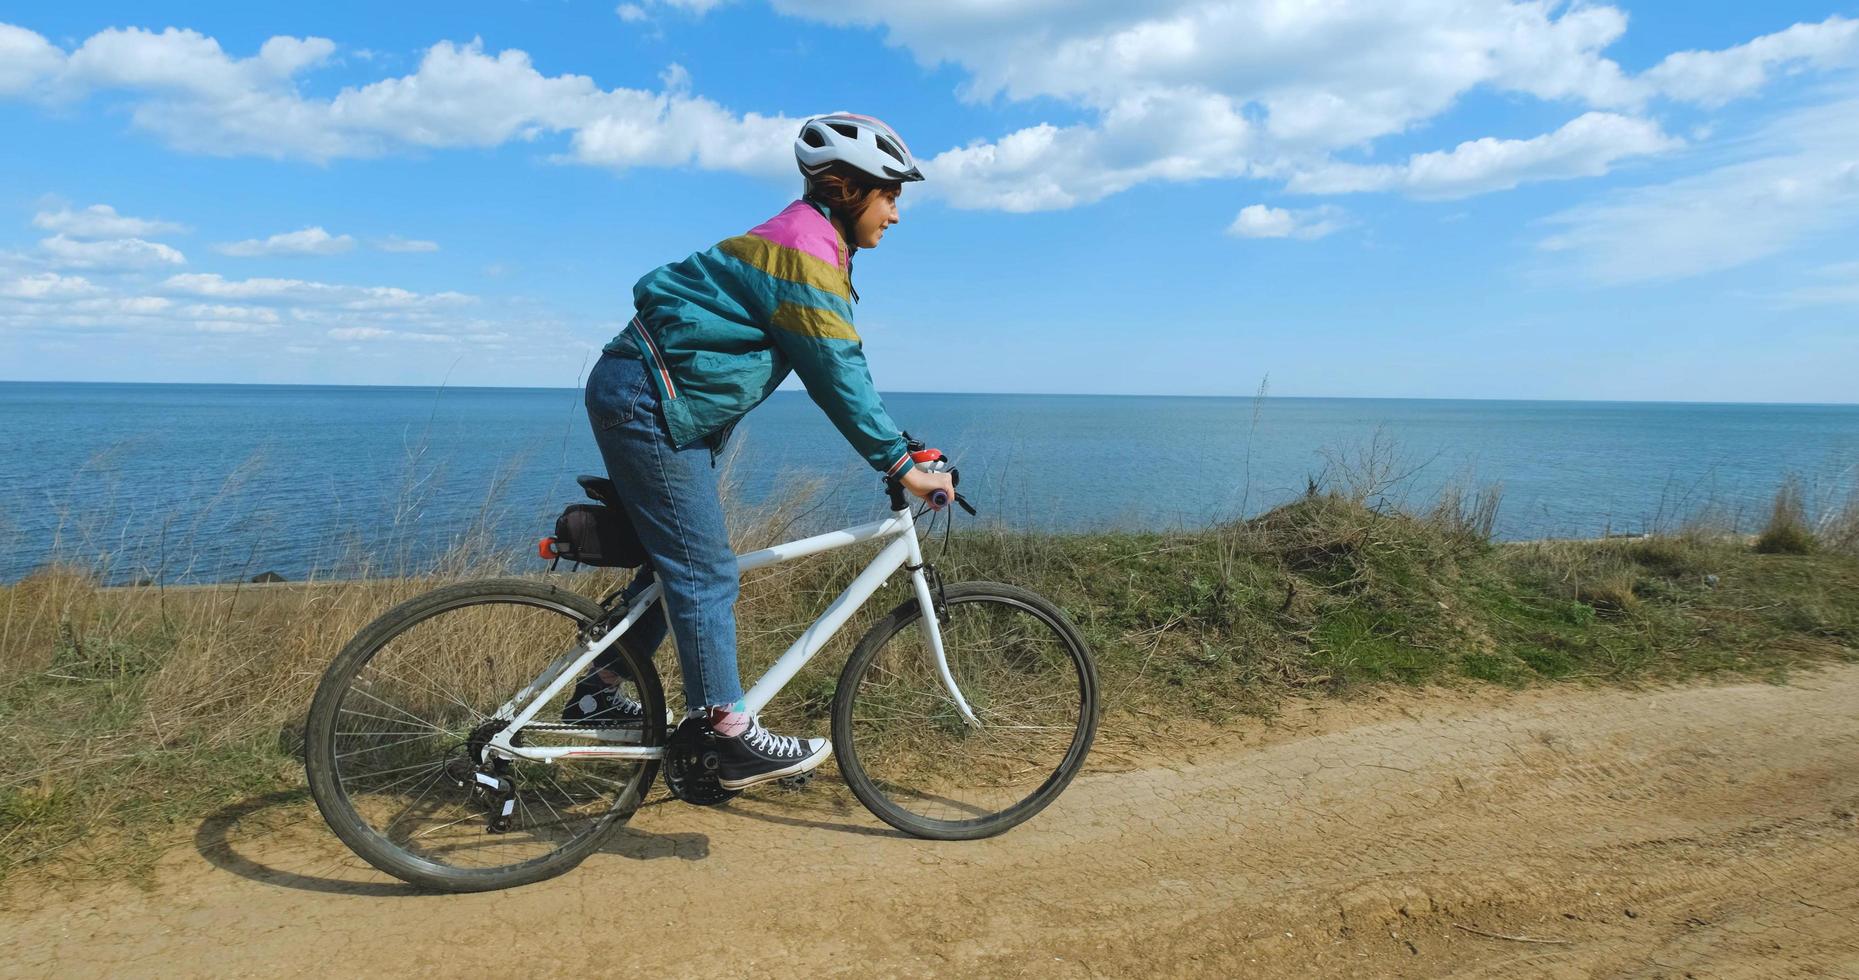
1787	531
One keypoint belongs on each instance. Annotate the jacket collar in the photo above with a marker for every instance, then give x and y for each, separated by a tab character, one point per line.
846	249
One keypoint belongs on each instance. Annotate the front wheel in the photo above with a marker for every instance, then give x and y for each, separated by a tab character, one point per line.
917	763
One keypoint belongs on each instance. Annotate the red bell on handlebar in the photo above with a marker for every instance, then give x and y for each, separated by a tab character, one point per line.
926	456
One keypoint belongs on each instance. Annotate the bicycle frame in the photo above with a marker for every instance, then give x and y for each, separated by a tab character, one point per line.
904	547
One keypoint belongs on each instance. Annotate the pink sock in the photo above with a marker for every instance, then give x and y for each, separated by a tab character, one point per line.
726	721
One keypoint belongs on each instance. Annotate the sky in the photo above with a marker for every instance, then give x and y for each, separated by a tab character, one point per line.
1401	198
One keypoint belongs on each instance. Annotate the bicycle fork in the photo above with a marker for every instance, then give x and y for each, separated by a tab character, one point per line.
933	610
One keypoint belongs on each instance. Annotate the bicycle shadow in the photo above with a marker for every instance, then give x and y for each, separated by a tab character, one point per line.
260	840
813	808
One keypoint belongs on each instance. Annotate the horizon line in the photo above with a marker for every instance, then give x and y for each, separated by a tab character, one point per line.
1017	394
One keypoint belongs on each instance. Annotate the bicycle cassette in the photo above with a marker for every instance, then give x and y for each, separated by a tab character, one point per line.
691	766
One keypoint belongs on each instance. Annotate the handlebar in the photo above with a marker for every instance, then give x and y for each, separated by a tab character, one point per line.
934	461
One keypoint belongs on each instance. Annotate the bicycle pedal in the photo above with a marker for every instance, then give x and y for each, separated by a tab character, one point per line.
796	782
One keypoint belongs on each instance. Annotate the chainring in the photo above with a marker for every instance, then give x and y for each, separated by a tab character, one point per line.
691	767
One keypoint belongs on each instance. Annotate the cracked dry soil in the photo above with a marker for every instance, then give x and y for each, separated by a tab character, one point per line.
1697	831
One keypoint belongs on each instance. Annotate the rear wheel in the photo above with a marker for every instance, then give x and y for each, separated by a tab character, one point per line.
902	742
395	740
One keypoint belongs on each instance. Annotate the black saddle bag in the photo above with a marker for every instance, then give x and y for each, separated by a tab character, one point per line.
596	534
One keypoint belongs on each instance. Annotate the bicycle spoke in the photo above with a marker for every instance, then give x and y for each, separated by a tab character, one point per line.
377	748
397	721
403	712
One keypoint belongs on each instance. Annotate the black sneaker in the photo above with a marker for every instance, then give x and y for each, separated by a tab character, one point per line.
603	705
759	755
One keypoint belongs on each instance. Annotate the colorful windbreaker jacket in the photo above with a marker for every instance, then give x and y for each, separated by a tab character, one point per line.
720	330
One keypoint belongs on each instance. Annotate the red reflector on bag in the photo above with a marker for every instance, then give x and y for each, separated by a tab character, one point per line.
546	547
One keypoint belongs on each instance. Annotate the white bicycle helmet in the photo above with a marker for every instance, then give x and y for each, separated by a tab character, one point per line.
862	143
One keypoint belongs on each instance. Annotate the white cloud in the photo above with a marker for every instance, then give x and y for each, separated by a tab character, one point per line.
359	333
1586	146
631	13
133	306
1715	77
698	7
1262	221
182	86
223	312
1394	60
296	310
121	253
101	221
416	336
306	241
1193	89
213	286
1728	216
1300	81
1169	90
1157	136
643	130
395	243
26	60
46	285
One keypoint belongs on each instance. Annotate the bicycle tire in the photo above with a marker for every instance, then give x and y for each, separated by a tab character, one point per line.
901	692
566	614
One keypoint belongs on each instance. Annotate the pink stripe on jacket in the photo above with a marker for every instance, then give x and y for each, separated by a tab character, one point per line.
800	226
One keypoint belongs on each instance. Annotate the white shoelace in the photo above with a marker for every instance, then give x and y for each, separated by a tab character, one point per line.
769	743
615	701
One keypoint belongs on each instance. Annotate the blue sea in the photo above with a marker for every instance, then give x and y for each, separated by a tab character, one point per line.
191	483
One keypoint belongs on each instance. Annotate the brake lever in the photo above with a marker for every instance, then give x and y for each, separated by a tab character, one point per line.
955	480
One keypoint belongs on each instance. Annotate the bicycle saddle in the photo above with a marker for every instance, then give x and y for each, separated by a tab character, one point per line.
599	489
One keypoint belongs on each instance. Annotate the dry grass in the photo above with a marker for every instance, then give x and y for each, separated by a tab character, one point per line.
1838	529
129	714
1787	531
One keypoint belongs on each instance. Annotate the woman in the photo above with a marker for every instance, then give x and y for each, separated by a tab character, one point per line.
714	336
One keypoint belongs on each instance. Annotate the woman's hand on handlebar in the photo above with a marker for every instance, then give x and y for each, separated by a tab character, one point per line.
924	484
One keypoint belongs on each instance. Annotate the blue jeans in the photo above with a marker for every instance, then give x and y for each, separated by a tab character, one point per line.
671	495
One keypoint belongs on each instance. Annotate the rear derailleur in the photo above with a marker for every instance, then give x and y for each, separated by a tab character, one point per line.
488	779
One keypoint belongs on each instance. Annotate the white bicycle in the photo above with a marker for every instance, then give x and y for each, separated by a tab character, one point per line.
962	713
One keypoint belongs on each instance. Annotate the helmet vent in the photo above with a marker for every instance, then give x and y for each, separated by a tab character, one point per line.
843	129
891	149
813	136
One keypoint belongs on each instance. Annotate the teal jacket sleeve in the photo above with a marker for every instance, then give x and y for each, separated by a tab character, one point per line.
838	379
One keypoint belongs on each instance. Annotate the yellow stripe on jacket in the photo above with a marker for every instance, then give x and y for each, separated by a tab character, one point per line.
786	263
811	321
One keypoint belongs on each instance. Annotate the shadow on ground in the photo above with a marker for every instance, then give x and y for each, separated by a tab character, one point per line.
279	839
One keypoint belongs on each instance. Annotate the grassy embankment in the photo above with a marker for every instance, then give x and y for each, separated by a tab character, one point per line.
129	715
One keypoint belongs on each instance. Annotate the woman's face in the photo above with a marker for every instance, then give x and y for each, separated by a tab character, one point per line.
880	214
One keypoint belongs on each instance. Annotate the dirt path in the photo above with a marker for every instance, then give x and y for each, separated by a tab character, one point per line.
1704	831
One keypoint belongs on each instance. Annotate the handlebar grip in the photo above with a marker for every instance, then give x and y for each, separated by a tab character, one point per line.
939	499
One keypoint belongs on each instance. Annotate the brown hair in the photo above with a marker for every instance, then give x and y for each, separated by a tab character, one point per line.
848	197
